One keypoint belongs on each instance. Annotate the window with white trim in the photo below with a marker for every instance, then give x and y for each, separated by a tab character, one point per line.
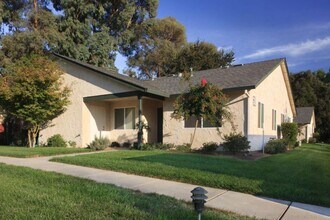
202	123
260	115
125	118
274	120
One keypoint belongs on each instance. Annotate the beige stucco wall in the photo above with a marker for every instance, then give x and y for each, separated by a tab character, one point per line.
101	120
273	93
75	123
175	132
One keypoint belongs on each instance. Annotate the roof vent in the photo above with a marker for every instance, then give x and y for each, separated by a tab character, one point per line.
235	65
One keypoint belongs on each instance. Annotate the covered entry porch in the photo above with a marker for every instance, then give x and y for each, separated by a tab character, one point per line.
123	117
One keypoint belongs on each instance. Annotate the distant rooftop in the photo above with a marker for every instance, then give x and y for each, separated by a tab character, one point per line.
304	115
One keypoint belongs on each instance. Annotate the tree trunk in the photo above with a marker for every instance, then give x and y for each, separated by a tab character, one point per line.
35	7
32	135
193	136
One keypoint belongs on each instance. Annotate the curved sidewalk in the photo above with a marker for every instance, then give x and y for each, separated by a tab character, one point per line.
240	203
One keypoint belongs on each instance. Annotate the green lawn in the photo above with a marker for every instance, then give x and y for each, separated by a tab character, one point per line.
32	194
10	151
302	175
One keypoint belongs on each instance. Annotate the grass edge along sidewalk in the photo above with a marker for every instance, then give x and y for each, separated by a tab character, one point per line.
28	193
299	175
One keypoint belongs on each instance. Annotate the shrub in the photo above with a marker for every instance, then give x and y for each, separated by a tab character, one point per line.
289	132
312	140
276	146
56	141
115	144
99	143
156	146
235	143
72	144
316	136
127	144
183	147
209	147
304	141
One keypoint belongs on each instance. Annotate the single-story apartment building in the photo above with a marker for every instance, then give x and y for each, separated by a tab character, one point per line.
306	123
105	103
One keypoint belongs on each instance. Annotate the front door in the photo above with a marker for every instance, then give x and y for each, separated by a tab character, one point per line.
160	125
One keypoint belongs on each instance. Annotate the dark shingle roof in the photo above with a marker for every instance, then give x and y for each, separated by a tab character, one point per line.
304	115
139	84
246	76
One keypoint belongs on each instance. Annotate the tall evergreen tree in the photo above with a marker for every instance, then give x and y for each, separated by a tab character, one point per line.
159	40
202	56
90	31
312	89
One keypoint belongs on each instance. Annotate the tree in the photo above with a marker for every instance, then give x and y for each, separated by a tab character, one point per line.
90	31
202	101
312	89
202	56
31	89
32	30
158	42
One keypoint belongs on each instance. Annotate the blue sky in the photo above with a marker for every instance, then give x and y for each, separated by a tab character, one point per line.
258	29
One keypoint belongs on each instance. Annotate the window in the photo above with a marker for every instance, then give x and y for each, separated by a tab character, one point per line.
274	120
125	118
260	115
190	123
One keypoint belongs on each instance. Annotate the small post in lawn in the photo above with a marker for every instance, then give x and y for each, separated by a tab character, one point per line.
199	199
140	132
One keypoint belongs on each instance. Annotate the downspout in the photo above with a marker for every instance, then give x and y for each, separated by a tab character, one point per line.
140	132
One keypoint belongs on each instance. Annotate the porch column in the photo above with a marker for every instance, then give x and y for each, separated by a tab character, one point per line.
140	132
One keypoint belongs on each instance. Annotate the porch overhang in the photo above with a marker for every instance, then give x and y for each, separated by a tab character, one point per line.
122	95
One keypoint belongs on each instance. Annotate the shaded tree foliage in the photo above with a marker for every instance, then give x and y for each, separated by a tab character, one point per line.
162	49
202	56
159	41
313	89
90	31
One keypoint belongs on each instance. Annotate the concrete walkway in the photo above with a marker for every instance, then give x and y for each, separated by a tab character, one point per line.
240	203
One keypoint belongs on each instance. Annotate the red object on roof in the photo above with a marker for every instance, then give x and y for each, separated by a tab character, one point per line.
2	128
203	82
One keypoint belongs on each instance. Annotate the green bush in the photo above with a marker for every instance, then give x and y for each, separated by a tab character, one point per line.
156	146
312	140
72	144
115	144
276	146
289	132
183	147
56	141
99	143
236	143
127	144
304	141
209	147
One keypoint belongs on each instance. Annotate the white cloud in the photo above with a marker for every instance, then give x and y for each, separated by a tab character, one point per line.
293	50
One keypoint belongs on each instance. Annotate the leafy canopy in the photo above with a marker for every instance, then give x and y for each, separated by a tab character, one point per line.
202	101
31	89
313	89
90	31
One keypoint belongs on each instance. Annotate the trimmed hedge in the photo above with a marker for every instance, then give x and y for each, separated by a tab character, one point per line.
276	146
236	143
209	147
56	141
289	132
